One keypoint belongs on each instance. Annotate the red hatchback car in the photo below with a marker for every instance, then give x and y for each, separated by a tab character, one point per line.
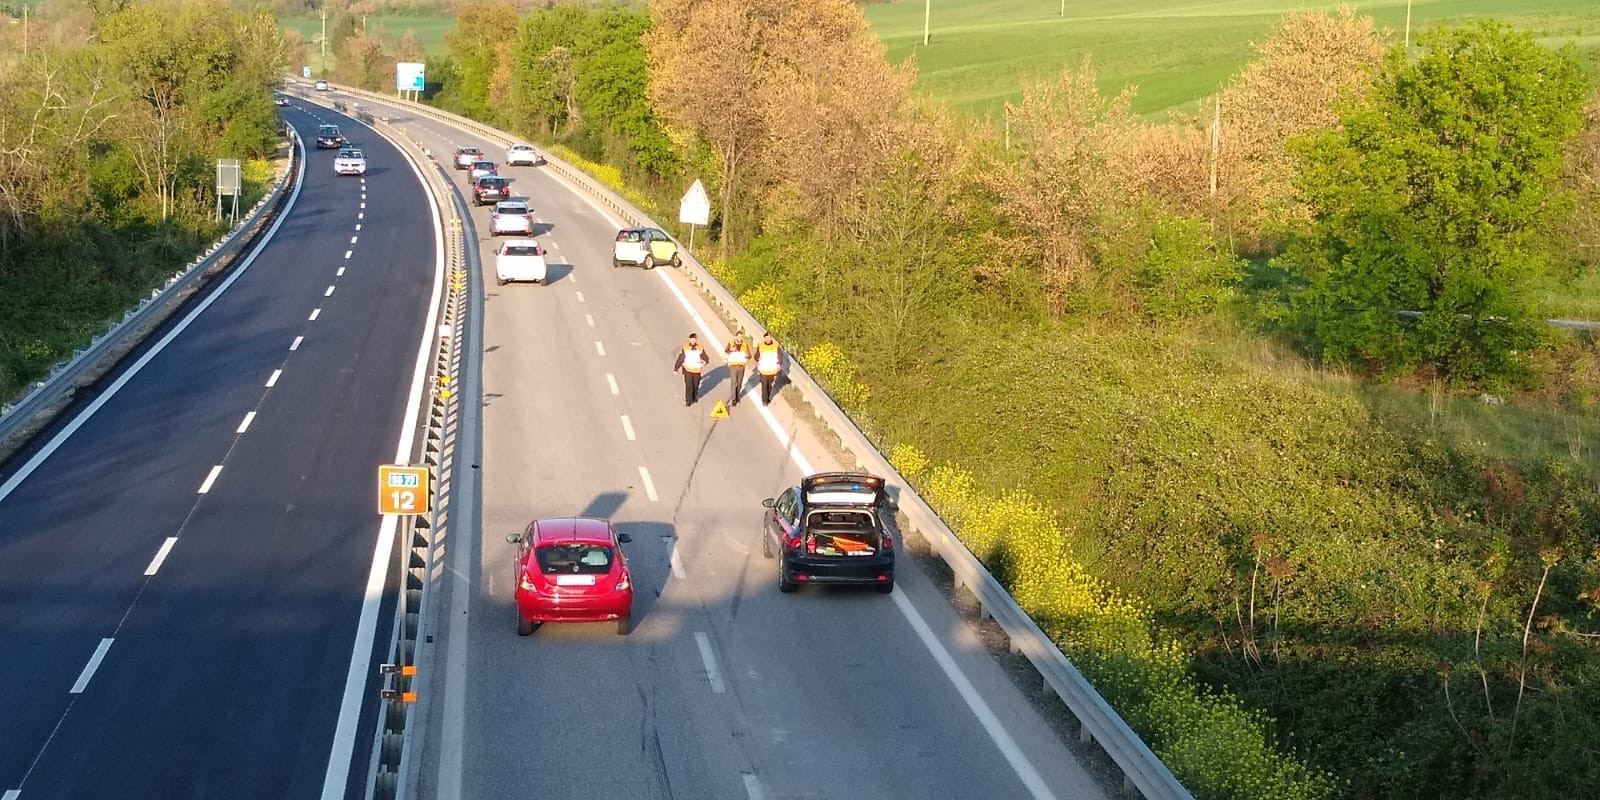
572	569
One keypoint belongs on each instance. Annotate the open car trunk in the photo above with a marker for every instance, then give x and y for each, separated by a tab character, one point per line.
835	533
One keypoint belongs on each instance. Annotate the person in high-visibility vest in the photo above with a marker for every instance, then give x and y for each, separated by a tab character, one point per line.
769	362
692	360
737	354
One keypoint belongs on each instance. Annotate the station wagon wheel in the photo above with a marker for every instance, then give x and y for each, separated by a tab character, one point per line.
784	585
766	544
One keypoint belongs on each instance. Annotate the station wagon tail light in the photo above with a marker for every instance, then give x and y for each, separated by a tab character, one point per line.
888	542
792	541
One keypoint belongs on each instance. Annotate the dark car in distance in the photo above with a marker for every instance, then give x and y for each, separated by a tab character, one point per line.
329	138
828	530
491	189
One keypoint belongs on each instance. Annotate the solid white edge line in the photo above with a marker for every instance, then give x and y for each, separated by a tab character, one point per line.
649	485
612	379
272	380
980	708
55	443
627	427
752	786
677	563
210	479
713	675
315	312
599	348
161	556
344	734
94	664
249	417
295	345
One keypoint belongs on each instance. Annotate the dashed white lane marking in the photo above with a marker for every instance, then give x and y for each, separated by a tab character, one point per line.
677	563
272	380
599	348
361	215
589	318
210	479
245	425
11	794
713	675
94	664
347	253
752	786
627	427
358	226
649	485
328	293
363	205
353	239
580	296
340	273
315	312
295	345
161	556
612	379
363	195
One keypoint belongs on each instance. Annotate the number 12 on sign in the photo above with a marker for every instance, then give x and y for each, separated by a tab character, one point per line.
402	489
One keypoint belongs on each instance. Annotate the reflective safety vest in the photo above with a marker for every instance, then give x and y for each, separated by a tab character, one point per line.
693	359
767	358
738	354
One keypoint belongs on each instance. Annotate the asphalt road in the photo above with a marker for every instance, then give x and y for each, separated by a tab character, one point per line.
726	689
181	577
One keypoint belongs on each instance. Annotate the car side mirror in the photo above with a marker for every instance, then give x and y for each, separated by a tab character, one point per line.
768	503
514	538
624	538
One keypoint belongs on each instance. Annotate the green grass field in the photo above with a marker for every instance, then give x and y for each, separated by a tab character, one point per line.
981	52
430	30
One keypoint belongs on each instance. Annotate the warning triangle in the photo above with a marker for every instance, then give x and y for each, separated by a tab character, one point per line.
719	411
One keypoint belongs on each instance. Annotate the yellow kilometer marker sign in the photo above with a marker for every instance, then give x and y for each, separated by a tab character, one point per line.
402	490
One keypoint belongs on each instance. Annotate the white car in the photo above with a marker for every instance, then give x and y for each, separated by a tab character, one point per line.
350	162
519	260
511	216
523	154
322	86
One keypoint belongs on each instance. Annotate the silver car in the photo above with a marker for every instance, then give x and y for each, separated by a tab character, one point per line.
511	217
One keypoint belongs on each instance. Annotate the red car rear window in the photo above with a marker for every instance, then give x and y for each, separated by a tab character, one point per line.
574	559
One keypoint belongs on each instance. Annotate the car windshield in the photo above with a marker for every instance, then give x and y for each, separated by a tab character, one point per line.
575	559
328	130
521	250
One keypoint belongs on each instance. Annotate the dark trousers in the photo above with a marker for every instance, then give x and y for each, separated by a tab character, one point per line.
767	390
691	387
735	383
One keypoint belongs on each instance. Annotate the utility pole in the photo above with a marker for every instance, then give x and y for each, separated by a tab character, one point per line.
1216	140
323	67
927	14
1063	9
1408	27
24	32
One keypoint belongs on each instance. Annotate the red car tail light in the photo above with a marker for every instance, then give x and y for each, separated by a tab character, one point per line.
791	542
800	577
529	583
624	582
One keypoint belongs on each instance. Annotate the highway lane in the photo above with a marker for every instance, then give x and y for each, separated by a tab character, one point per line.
726	688
180	580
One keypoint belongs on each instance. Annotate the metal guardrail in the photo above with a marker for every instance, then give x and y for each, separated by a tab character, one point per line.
393	771
88	364
1142	770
